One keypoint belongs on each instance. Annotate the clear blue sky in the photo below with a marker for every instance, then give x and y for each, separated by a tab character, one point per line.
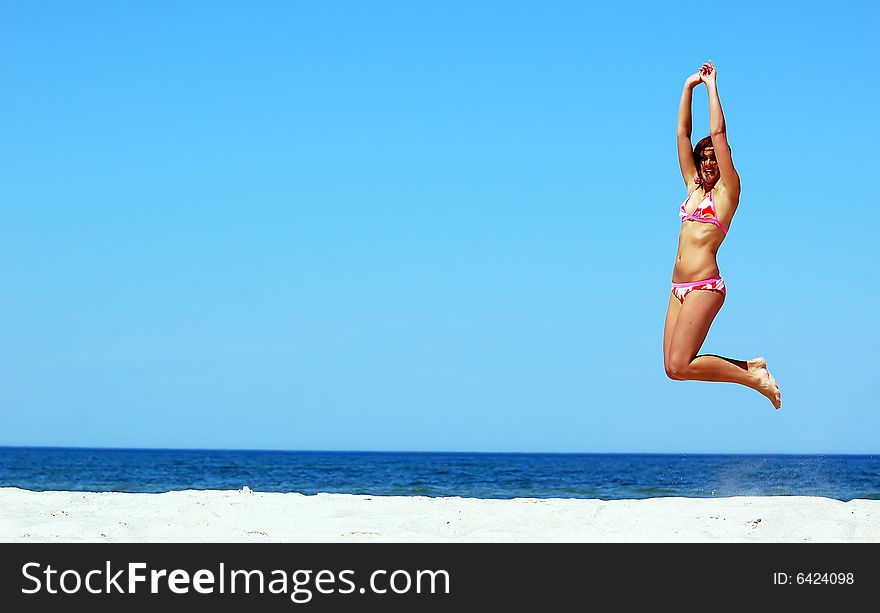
427	225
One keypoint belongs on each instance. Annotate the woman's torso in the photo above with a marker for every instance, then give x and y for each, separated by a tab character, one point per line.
699	240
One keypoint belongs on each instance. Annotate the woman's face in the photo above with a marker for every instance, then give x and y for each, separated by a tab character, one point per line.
708	166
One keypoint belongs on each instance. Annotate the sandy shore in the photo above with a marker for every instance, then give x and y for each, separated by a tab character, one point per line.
245	516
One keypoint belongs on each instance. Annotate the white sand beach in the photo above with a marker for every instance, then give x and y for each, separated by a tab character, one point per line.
246	516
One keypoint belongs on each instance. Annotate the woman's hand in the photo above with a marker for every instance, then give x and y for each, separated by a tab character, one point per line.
707	73
693	80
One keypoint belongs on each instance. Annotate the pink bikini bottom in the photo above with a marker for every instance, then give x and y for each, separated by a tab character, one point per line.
680	290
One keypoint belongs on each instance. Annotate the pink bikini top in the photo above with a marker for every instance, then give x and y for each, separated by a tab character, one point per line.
705	211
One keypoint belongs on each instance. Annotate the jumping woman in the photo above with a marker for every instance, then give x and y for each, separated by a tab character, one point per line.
697	287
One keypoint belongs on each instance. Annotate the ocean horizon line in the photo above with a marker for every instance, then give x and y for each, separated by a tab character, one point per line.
452	452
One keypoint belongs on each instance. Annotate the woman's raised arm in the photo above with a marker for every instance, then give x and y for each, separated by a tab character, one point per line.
685	126
718	132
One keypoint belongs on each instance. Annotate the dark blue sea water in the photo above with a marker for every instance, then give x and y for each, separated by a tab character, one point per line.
479	475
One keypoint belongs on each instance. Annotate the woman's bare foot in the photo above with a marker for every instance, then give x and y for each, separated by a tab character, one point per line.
765	383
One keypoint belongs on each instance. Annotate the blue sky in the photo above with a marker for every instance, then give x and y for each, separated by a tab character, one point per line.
427	226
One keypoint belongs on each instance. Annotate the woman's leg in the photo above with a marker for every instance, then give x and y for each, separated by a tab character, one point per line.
671	315
690	329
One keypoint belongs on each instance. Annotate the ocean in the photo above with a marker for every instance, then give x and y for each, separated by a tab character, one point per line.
473	475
